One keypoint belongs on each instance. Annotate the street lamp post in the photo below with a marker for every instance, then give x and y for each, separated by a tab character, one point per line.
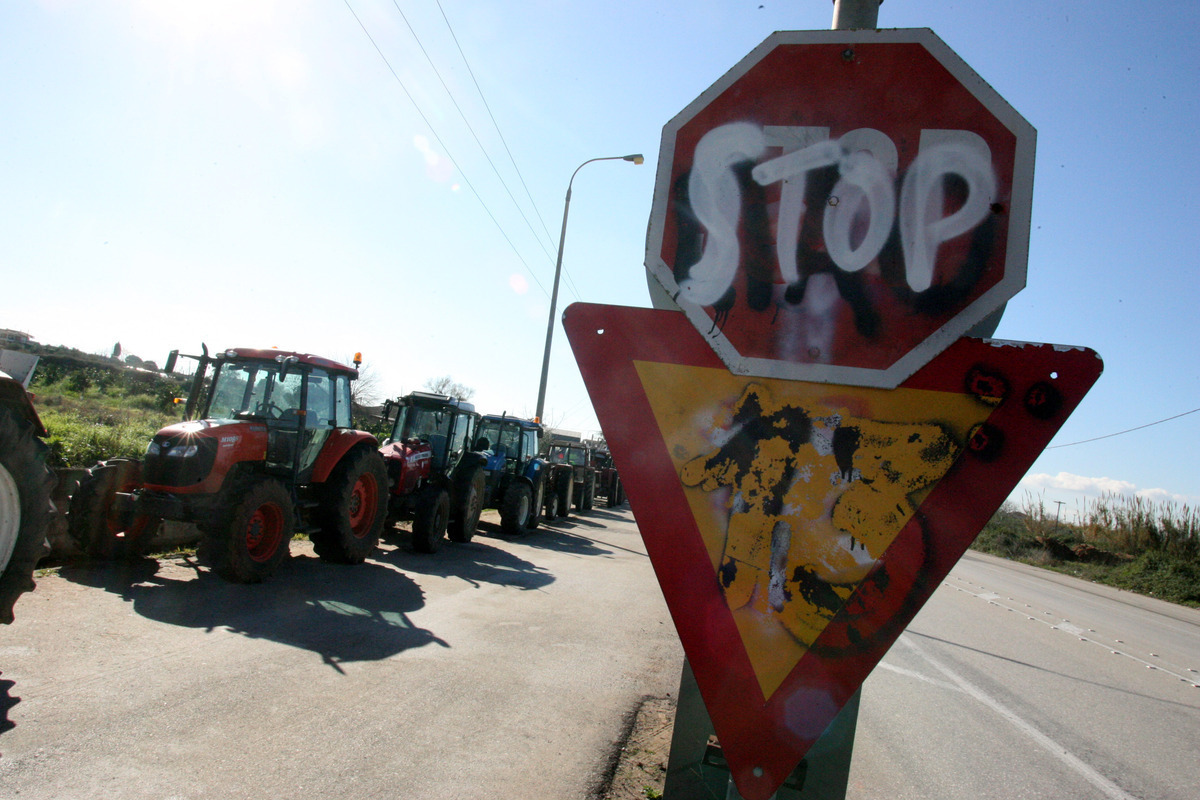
636	158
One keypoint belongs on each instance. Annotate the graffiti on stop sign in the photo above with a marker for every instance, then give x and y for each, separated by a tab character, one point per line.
839	205
859	210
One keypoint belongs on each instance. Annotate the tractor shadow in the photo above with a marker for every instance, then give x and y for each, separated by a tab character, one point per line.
477	562
342	613
563	535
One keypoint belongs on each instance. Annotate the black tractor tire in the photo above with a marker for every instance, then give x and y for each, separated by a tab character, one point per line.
471	485
431	520
94	523
551	512
589	491
516	508
563	485
539	502
25	485
614	492
353	508
257	528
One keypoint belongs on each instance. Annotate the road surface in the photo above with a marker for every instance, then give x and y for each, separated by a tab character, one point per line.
1015	682
504	668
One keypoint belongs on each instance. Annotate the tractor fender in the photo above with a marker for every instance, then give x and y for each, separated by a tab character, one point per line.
340	441
14	393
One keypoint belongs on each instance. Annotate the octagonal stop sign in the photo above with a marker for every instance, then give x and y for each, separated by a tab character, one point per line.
841	206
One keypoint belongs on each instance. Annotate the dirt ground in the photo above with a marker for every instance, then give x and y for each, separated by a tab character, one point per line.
641	767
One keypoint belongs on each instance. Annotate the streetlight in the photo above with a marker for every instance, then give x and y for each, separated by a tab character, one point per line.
636	158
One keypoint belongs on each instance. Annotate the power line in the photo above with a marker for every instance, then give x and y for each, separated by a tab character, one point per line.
449	155
467	122
1130	430
500	133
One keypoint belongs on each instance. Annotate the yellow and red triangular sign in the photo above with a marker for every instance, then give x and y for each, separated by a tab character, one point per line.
795	527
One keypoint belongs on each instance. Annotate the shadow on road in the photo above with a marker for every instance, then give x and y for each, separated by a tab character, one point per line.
477	562
342	613
559	535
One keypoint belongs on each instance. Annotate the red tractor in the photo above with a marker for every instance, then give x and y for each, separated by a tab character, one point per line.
436	479
274	451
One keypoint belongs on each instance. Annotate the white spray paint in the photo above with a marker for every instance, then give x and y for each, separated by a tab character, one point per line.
867	163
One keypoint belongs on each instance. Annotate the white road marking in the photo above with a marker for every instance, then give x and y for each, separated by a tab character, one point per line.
1052	747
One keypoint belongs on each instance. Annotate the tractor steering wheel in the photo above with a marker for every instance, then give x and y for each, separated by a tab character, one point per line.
268	409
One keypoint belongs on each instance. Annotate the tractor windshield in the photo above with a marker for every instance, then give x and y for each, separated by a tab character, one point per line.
430	425
417	422
254	389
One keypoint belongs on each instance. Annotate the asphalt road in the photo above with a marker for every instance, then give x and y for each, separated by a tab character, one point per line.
504	668
1015	682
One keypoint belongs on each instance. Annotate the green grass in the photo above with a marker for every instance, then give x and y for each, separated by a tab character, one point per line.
84	430
1131	543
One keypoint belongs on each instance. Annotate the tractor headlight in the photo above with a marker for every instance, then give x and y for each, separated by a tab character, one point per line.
183	451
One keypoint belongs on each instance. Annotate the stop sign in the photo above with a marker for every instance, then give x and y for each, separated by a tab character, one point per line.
842	205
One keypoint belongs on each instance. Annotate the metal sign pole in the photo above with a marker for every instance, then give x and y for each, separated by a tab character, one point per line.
855	14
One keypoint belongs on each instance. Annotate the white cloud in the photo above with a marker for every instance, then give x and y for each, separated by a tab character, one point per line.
1076	483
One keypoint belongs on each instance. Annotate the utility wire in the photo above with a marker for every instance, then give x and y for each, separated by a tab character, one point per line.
1130	430
496	125
449	155
470	128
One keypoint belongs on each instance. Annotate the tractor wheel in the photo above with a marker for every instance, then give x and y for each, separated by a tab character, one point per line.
515	508
589	492
96	526
254	540
564	484
25	485
614	497
429	524
539	502
353	509
470	505
551	505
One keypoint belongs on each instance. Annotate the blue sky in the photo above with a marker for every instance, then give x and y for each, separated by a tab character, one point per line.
253	173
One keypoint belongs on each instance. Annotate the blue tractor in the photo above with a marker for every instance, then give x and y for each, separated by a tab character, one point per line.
514	473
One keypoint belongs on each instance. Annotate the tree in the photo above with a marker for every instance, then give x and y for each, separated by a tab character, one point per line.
446	385
364	392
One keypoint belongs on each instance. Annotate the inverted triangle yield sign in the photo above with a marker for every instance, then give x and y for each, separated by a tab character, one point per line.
796	528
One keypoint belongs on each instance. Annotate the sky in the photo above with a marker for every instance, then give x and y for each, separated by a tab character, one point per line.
341	176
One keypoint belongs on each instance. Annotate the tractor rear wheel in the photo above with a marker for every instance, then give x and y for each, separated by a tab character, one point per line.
95	524
614	497
429	523
353	509
551	505
589	492
564	483
470	505
24	508
254	541
515	508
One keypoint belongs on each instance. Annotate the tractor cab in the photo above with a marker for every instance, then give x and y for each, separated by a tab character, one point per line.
430	436
299	401
285	406
514	472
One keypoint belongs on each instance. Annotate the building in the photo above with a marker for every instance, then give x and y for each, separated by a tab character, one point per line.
10	337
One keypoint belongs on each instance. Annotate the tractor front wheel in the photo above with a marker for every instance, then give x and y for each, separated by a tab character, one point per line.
515	508
429	523
353	509
254	543
470	505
